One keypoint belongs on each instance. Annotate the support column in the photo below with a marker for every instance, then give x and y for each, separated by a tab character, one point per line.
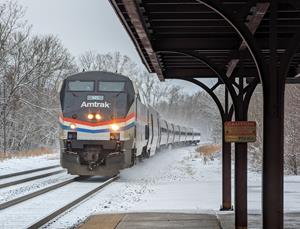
241	197
226	162
273	135
226	175
241	213
273	156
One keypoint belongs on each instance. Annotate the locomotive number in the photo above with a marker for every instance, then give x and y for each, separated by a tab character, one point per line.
95	97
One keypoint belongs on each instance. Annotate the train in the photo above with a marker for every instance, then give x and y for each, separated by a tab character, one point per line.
105	126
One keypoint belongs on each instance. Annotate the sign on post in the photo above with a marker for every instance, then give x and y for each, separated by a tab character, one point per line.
240	131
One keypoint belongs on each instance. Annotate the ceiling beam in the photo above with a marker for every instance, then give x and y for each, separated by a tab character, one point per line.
253	22
212	45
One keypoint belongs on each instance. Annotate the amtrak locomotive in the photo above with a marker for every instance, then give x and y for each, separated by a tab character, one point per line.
105	127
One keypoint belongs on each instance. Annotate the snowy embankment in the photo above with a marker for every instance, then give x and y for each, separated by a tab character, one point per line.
21	164
175	180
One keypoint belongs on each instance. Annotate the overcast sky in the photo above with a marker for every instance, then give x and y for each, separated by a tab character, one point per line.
84	25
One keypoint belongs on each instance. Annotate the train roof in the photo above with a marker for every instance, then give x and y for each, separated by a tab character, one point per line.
98	75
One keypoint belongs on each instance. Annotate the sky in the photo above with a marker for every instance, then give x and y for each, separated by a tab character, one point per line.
84	25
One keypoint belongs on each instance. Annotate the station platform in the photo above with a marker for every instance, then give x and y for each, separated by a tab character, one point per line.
156	220
152	220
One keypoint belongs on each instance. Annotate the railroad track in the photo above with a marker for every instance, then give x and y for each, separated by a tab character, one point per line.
28	171
37	193
44	205
14	182
66	207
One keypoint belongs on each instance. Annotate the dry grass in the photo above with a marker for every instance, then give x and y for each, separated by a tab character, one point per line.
209	150
29	153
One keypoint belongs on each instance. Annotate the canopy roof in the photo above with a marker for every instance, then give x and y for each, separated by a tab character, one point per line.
162	30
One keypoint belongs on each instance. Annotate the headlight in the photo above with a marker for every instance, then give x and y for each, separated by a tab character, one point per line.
98	116
90	116
72	126
114	127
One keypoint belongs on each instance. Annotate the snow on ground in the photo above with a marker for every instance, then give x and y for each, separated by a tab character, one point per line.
29	175
21	164
175	180
291	193
28	212
19	190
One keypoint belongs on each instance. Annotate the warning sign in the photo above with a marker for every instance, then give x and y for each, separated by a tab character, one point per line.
240	131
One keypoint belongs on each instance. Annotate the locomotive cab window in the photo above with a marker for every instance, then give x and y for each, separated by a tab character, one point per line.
111	86
79	85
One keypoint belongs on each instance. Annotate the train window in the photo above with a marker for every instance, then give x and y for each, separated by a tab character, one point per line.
79	85
111	86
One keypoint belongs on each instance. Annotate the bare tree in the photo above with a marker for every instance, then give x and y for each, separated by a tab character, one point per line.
13	30
148	85
292	129
256	114
31	68
111	62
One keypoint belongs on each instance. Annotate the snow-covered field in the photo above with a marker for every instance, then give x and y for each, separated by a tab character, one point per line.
175	180
21	164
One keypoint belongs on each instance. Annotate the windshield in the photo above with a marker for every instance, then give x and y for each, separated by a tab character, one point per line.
79	85
111	86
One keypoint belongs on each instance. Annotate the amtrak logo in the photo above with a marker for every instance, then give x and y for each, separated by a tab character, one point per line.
96	104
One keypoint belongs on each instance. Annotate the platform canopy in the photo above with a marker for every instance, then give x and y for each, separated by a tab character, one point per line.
161	30
254	39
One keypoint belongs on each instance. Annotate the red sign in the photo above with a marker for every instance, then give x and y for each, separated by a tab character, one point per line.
240	131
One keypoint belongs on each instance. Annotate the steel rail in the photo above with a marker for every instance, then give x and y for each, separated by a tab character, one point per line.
54	214
30	178
35	194
28	171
